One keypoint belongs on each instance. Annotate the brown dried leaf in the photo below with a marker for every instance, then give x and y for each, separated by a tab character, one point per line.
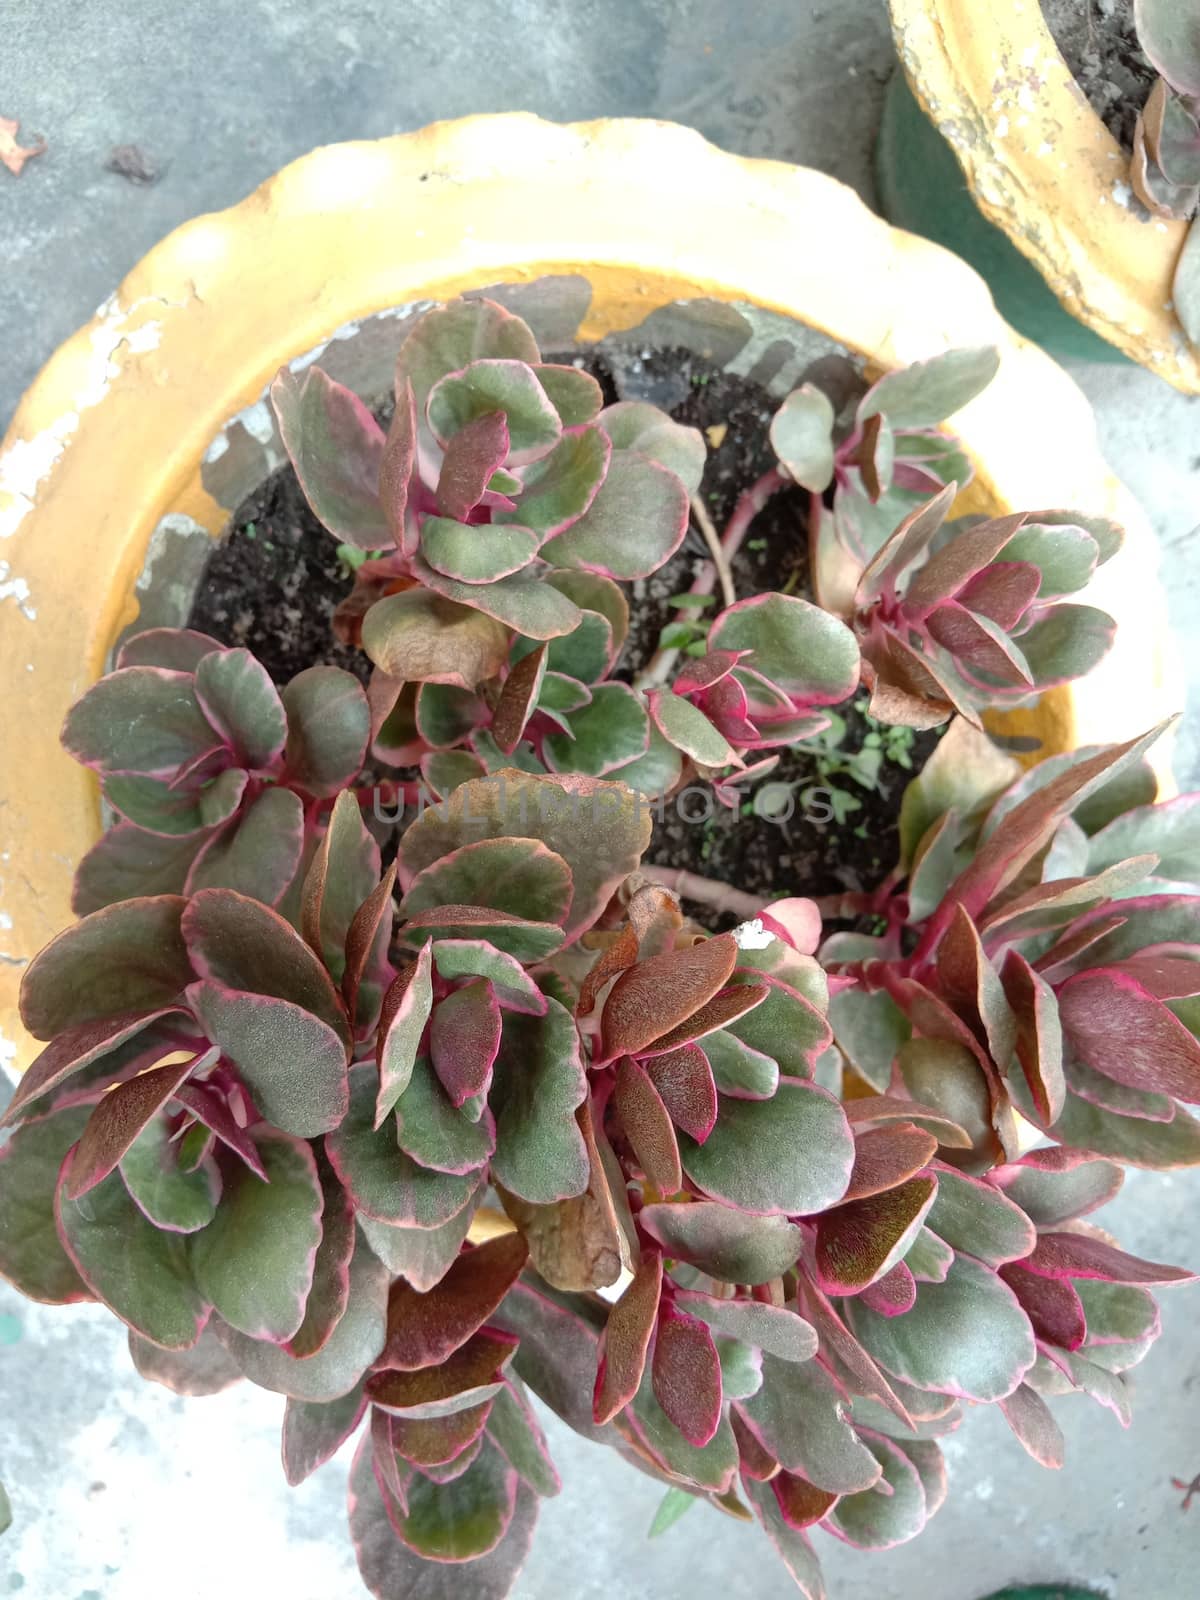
13	155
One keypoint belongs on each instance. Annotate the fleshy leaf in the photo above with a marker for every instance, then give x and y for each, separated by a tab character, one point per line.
238	943
738	1069
421	1255
293	1063
389	1567
425	1328
1120	1029
127	958
515	1431
315	1432
808	653
464	1040
689	730
342	874
519	876
879	1521
1052	1305
927	392
792	1545
787	1156
330	1292
730	1245
635	425
634	524
240	700
574	393
176	649
1031	1419
625	1341
686	1374
425	638
32	1257
140	1273
966	1336
255	1260
473	554
406	1010
258	855
885	1157
1076	1255
336	1369
1056	1185
518	698
1170	36
656	995
204	1369
472	456
336	447
683	1080
797	1416
521	602
979	1220
465	1379
802	437
647	1127
776	1329
118	1120
475	958
582	1243
434	1133
859	1242
385	1183
329	726
538	1082
76	1049
606	734
711	1466
139	719
490	385
559	489
599	829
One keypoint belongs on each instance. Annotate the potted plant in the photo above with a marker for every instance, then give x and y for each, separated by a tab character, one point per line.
401	1141
161	400
1039	109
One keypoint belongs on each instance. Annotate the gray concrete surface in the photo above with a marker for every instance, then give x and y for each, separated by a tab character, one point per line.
120	1491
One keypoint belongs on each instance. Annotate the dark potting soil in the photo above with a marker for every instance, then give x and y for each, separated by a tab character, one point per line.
1099	43
272	584
273	581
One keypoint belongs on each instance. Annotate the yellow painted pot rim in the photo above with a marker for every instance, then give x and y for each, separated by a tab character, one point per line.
1043	167
111	435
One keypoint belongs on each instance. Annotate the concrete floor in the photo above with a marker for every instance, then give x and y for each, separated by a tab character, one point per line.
118	1488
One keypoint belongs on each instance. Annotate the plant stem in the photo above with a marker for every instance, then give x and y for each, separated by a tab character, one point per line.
720	560
750	502
706	891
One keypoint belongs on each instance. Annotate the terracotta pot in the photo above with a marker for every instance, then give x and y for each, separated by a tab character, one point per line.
152	414
1045	170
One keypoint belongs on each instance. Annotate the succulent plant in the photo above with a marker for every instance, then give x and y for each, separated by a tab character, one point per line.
948	618
1165	170
1040	956
982	621
401	1128
501	483
266	1149
215	778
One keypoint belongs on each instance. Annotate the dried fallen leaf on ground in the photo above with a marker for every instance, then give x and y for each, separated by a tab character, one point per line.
13	155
